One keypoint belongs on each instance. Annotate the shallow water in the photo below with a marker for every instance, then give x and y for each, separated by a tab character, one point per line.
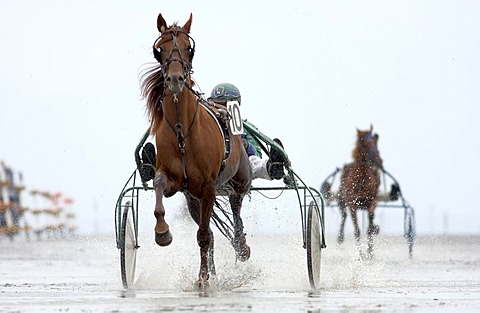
83	274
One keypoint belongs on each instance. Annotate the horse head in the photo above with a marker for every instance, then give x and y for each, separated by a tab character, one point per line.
367	148
174	50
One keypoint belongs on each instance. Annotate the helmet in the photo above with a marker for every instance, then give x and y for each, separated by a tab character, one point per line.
224	92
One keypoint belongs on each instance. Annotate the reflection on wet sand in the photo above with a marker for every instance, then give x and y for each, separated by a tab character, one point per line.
83	274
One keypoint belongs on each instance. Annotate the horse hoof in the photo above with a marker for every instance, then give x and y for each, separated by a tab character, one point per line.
163	239
244	253
366	256
202	285
374	230
340	239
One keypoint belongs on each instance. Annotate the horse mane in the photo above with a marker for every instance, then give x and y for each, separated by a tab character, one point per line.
152	89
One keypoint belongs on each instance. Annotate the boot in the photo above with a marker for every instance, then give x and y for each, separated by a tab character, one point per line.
149	159
276	161
394	192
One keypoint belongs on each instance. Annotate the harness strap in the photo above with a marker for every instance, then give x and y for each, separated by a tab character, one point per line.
181	145
223	126
178	129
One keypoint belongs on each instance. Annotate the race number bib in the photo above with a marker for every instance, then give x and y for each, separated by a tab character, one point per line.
236	123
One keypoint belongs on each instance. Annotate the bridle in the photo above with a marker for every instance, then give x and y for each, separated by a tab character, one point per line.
187	70
177	128
372	149
157	54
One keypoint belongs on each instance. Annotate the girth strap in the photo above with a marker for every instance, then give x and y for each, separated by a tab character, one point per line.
220	116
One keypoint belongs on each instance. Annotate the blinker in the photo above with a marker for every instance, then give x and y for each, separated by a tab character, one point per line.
157	55
157	52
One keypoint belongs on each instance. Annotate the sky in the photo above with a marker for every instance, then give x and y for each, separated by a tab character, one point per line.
310	73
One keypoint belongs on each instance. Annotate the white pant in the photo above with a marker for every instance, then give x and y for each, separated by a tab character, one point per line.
259	167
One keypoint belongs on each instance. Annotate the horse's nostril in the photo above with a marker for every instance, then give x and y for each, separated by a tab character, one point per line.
174	78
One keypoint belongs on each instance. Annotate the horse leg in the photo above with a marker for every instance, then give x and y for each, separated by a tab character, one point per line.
242	250
372	228
341	234
353	213
194	209
163	237
203	236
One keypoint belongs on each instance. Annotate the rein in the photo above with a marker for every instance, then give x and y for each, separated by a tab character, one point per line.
220	117
178	130
187	70
187	67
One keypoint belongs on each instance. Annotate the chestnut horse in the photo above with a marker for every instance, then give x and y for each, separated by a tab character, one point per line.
359	184
192	155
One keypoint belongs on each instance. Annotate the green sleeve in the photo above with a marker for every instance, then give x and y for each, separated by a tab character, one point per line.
251	140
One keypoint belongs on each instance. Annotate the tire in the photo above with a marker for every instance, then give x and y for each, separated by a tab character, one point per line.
410	231
314	243
128	247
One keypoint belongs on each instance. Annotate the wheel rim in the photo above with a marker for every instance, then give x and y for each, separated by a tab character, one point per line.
128	253
314	241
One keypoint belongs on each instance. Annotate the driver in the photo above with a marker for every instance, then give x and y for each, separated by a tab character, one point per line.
266	168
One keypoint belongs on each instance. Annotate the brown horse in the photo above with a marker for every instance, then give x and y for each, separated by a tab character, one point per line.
359	184
191	149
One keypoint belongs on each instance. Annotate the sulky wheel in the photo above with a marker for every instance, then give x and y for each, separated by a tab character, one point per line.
314	243
128	246
409	232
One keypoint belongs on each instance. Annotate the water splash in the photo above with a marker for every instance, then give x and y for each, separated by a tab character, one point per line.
353	269
229	277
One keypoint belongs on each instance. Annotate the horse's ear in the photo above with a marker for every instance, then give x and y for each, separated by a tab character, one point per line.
161	24
371	128
188	24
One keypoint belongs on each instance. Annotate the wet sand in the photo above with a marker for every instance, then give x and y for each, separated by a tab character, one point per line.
82	274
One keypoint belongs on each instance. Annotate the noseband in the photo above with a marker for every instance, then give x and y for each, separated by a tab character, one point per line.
157	53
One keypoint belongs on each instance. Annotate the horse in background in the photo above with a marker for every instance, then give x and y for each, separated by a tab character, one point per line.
360	183
192	156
